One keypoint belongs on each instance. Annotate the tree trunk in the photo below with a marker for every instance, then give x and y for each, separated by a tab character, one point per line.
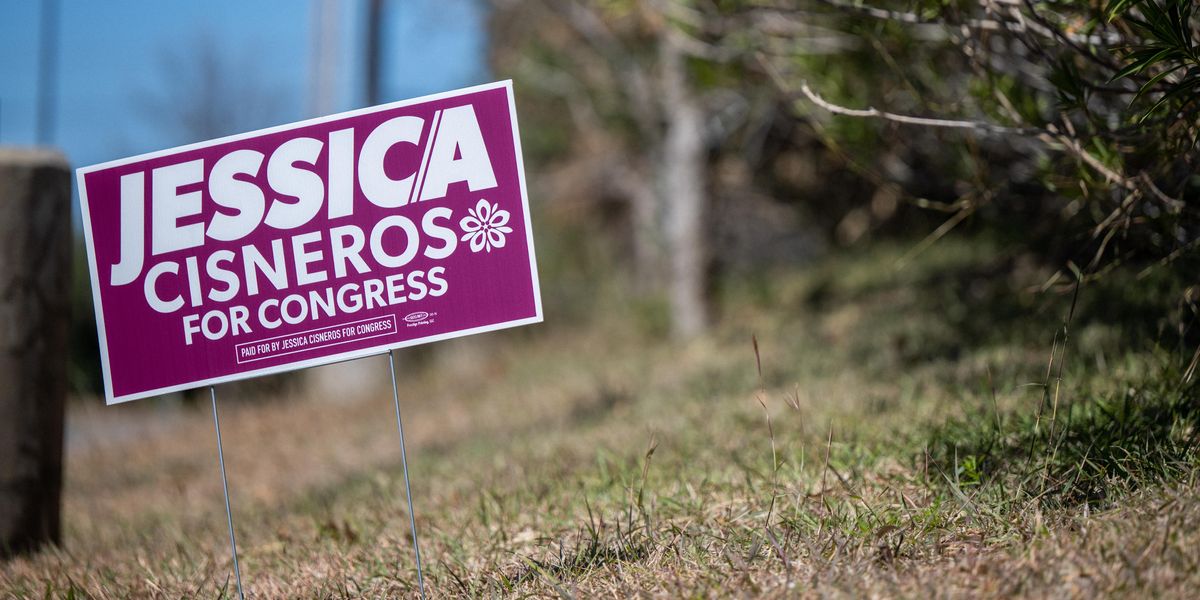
35	260
645	225
682	189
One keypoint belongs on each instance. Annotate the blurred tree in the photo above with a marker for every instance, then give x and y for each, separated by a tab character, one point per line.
205	90
1068	128
1102	95
630	75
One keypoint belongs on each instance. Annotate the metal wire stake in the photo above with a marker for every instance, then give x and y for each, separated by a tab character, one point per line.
237	571
412	519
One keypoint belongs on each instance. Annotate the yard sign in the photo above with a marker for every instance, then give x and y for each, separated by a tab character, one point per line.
310	243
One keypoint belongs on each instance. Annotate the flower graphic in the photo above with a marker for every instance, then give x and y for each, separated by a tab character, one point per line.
485	226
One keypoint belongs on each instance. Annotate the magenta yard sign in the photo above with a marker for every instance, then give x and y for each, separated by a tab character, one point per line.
310	243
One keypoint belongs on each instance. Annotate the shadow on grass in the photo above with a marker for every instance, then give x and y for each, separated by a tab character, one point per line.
1089	452
570	564
969	294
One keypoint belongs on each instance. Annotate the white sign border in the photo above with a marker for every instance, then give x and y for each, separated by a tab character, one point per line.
110	398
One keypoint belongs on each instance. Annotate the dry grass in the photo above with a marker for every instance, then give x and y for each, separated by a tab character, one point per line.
599	461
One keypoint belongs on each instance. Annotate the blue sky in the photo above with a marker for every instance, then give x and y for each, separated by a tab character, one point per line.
112	60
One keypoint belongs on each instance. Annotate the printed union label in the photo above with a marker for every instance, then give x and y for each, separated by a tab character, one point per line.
310	243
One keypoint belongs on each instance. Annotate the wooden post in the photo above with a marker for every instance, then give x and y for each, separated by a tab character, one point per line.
35	264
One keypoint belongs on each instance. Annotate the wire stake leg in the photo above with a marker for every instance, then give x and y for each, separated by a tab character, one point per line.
412	519
237	571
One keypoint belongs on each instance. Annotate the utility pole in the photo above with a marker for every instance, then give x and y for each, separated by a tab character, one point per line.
48	73
323	65
374	56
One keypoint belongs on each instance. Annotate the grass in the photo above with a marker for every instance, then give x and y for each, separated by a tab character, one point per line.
845	431
1100	448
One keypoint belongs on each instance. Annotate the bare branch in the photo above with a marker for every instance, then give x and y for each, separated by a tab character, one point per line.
1073	146
1018	26
1050	135
874	113
1070	39
635	81
699	49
